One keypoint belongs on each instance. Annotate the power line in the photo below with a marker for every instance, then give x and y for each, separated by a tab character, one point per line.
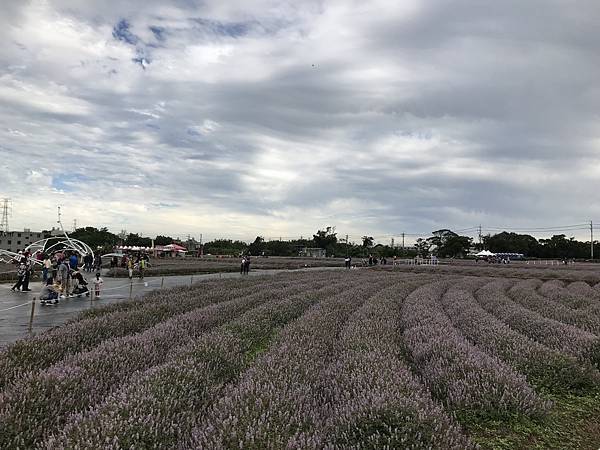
578	226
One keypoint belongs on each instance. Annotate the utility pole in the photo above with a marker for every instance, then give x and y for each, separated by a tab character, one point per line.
392	243
402	243
480	245
591	240
201	247
74	225
346	246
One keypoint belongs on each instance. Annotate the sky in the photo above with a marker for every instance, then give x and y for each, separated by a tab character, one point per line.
278	118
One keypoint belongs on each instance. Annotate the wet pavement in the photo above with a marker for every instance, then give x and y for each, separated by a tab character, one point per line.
15	307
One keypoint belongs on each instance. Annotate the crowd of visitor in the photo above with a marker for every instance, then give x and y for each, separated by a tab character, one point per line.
62	275
131	261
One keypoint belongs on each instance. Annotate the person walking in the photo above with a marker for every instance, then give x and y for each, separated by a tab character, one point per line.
247	265
142	267
27	276
98	263
243	266
20	278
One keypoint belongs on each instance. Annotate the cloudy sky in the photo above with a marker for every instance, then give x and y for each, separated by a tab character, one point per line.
239	118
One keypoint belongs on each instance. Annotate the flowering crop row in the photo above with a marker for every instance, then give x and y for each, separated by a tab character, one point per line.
159	407
542	365
510	271
367	396
551	333
582	289
274	399
525	293
49	348
577	295
157	296
458	373
39	402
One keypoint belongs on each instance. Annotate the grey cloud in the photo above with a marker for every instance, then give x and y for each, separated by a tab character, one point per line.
451	114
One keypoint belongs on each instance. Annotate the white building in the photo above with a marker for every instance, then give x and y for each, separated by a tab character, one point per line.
14	241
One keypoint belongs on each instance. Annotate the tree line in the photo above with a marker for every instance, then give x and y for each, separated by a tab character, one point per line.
443	243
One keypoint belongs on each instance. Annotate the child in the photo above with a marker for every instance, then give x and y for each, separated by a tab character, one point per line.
97	284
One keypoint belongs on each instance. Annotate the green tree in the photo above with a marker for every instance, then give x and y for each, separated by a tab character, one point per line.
258	246
449	244
280	248
326	239
422	246
136	240
163	240
512	243
96	238
225	247
558	246
367	241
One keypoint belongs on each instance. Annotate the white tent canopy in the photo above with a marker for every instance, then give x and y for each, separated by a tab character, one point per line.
485	253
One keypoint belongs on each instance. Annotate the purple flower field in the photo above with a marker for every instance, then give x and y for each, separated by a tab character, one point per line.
333	359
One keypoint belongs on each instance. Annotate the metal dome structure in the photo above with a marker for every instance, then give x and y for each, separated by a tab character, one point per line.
50	245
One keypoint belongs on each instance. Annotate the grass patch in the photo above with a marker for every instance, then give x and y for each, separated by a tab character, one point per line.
572	423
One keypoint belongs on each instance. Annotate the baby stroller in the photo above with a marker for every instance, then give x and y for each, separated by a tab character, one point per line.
80	290
81	286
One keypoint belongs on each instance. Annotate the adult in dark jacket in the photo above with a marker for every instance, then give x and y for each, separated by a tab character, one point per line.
27	276
73	261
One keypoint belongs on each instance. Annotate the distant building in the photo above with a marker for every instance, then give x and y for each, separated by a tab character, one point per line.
192	245
19	240
312	252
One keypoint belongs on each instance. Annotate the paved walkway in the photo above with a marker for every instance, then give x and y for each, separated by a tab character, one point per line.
15	307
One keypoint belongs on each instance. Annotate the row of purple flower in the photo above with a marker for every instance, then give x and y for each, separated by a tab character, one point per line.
319	360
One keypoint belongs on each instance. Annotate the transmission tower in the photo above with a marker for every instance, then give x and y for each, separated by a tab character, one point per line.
6	209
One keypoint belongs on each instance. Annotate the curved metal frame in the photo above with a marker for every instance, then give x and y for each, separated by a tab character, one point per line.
47	245
8	257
